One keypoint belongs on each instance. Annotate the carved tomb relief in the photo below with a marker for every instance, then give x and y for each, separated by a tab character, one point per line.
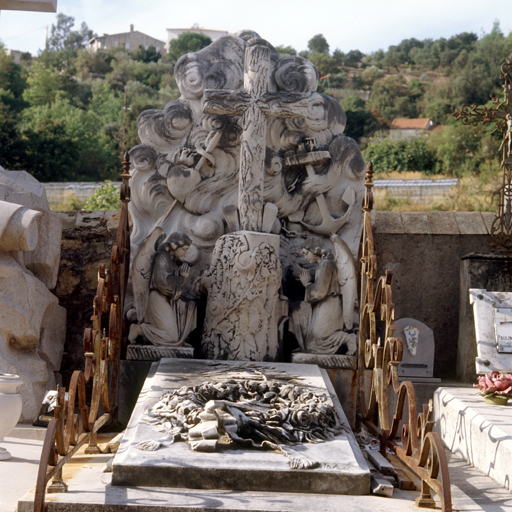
249	162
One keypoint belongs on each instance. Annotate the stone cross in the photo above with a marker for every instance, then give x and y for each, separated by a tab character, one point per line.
254	104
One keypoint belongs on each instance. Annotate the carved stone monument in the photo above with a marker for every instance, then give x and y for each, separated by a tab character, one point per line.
249	163
32	324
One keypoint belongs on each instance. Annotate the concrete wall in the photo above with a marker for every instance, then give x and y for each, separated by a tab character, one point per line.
423	250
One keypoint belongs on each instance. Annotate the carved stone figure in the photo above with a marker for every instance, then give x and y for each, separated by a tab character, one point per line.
249	148
32	324
318	323
243	309
164	319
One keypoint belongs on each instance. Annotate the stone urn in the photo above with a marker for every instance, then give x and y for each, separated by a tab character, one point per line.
10	407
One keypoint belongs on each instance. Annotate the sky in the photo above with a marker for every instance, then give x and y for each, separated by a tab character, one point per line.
365	25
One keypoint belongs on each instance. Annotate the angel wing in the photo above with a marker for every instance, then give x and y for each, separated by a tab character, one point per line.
347	277
141	271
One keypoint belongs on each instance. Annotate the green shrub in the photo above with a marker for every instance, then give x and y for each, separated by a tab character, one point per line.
105	198
414	154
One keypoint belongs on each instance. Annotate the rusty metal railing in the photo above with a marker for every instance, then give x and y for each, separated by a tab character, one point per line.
103	344
380	354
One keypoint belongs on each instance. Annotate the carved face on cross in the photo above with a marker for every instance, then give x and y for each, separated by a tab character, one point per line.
254	104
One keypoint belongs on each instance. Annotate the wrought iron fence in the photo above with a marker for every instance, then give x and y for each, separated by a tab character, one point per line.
103	344
380	354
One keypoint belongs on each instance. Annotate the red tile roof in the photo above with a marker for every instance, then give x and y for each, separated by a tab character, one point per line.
409	124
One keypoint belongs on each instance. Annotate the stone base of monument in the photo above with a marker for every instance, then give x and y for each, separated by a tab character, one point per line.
339	468
152	353
342	373
478	432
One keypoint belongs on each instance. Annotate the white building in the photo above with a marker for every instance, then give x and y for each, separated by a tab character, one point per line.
128	40
15	54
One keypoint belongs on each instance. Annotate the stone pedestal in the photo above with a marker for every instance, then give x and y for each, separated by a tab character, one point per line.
491	272
244	311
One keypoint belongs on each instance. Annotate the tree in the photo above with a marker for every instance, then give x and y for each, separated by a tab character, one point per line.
360	121
146	55
187	42
370	74
97	63
43	82
353	58
413	154
11	81
63	38
318	44
286	51
390	98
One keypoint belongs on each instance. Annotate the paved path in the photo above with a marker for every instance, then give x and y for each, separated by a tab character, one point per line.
90	489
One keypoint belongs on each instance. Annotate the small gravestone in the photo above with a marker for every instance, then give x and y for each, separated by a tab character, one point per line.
419	348
493	327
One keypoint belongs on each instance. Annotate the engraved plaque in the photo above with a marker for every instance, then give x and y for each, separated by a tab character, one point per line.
503	330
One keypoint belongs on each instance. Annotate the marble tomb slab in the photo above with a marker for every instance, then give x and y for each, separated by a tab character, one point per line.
485	304
341	470
479	432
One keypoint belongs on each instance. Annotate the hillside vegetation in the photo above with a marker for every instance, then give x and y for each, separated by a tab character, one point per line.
67	115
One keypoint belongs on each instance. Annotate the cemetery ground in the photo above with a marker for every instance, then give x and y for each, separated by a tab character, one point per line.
471	489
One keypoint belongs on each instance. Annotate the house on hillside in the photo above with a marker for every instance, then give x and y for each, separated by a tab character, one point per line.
128	40
174	33
404	128
15	54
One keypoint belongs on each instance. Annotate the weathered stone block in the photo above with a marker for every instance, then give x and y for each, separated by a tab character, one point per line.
471	223
416	223
443	223
32	324
389	222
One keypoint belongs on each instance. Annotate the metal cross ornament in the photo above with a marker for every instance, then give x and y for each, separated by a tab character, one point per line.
501	115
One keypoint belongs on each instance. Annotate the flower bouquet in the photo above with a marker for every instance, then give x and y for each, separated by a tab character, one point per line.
495	387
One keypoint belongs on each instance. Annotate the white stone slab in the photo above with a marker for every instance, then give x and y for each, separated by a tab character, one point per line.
420	363
484	303
480	433
342	468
